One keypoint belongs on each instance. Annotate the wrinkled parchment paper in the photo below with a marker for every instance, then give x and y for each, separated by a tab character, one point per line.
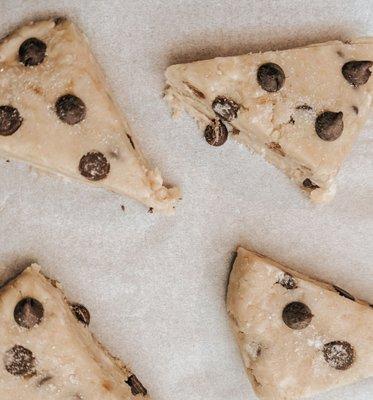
155	285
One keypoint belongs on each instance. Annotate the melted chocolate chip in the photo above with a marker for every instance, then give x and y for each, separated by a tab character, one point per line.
28	312
356	110
225	108
216	133
339	355
19	361
288	282
343	293
70	109
297	315
10	120
136	386
32	52
357	73
329	125
94	166
271	77
307	183
81	313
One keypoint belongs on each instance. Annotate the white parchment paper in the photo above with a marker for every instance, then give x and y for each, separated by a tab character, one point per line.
155	285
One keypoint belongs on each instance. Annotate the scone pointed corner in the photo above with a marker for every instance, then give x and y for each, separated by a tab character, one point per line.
298	336
302	115
57	113
46	347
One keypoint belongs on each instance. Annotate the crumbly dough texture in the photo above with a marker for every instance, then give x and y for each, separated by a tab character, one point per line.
283	363
70	363
48	143
281	125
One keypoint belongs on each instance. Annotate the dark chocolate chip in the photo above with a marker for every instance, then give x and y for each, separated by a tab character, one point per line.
94	166
28	312
339	355
123	208
288	282
10	120
216	133
32	52
291	120
81	313
70	109
304	107
195	91
19	361
225	108
131	141
271	77
307	183
136	386
297	315
343	293
151	210
356	110
357	73
329	125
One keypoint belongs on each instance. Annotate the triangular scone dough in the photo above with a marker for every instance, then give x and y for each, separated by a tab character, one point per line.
326	341
43	66
47	351
271	102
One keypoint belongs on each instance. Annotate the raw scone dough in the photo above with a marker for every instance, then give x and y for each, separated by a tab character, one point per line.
297	336
47	351
301	108
56	113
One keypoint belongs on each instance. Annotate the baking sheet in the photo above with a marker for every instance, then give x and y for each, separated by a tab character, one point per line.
155	285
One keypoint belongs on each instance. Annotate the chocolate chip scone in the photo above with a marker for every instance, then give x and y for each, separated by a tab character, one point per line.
57	113
301	108
297	336
47	351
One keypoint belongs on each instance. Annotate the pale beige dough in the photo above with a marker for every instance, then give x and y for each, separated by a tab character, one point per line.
284	363
76	364
46	142
270	123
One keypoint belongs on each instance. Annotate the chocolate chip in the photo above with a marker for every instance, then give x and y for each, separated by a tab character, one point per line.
339	355
357	73
288	282
59	20
10	120
136	386
216	133
291	120
32	52
356	110
271	77
151	210
70	109
304	107
329	125
19	361
131	141
28	312
307	183
94	166
297	315
123	208
343	293
225	108
81	313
